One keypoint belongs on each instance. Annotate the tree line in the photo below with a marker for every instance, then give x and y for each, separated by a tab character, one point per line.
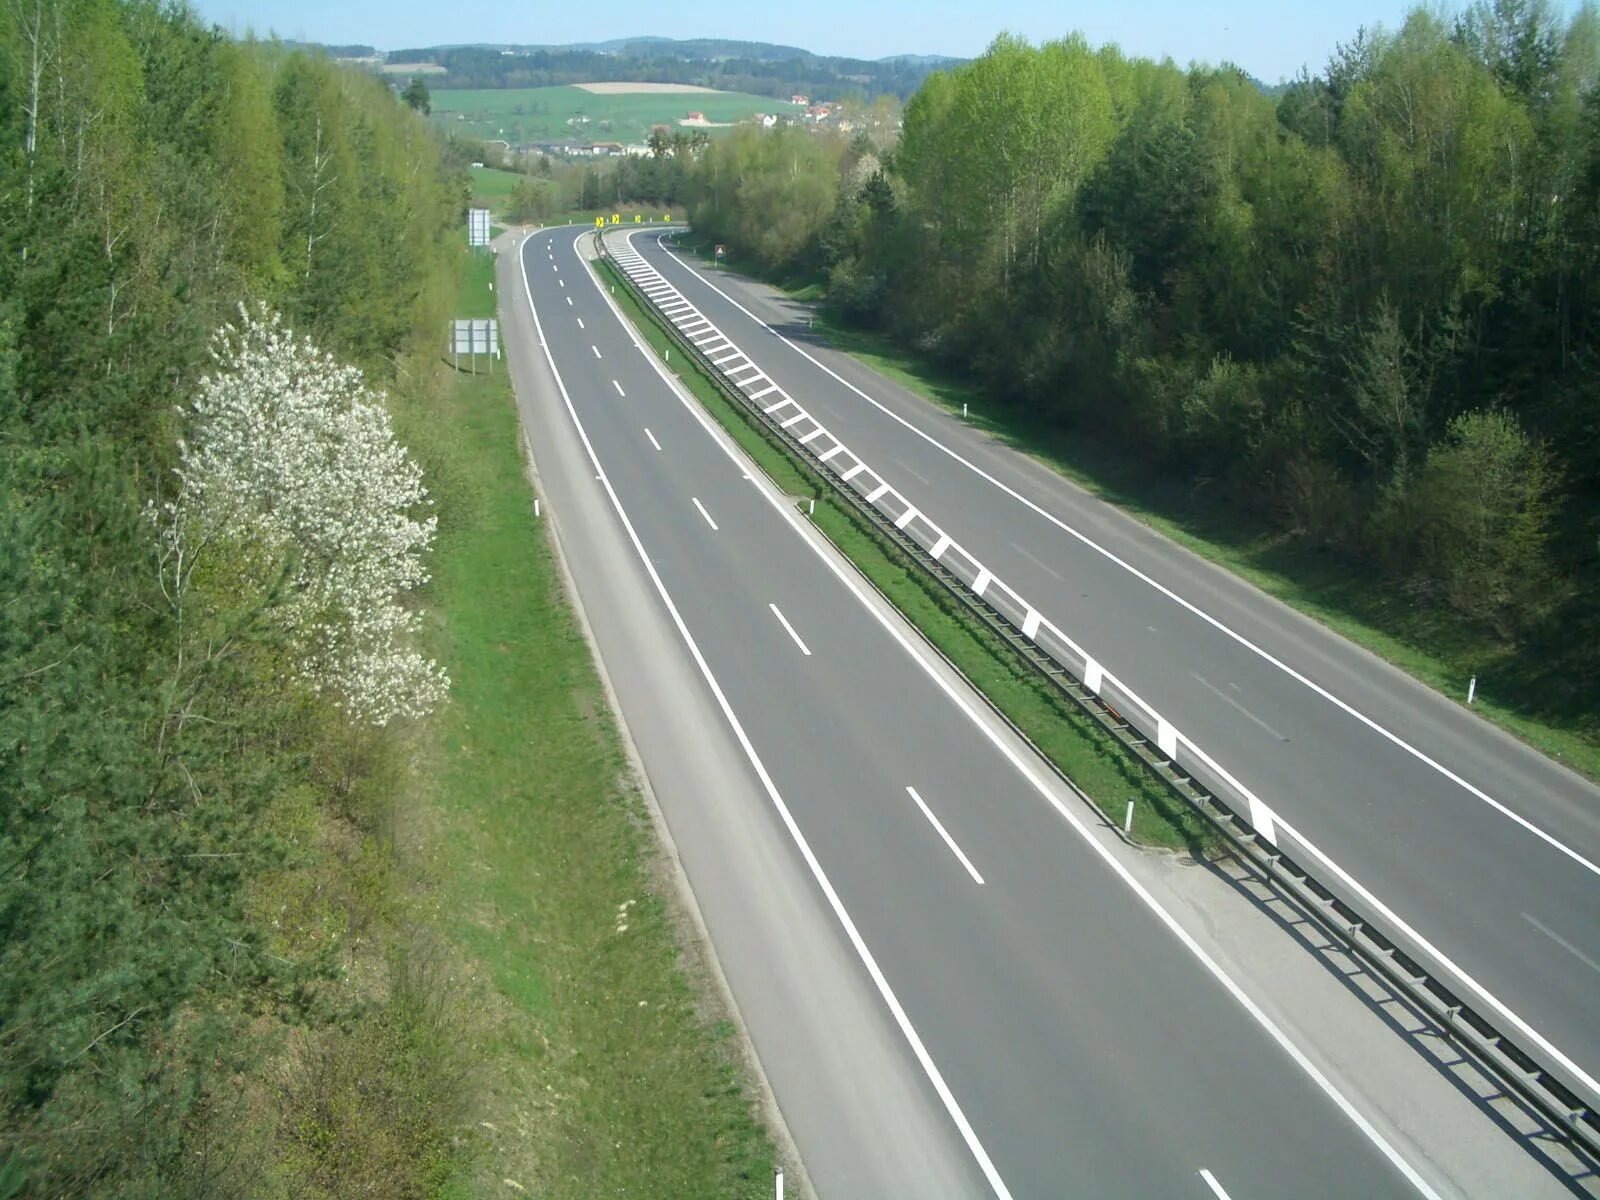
1364	313
753	67
163	925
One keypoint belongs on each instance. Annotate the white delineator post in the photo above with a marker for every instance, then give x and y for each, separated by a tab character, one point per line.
1127	820
777	1182
1472	688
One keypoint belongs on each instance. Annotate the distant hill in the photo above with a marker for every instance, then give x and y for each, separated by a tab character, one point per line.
759	68
353	51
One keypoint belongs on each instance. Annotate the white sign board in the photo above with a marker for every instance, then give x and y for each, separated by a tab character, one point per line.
477	336
477	226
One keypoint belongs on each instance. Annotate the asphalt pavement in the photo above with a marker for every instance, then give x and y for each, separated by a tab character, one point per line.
1075	1039
1483	848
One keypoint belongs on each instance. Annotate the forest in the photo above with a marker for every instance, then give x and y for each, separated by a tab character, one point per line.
755	67
178	789
1362	315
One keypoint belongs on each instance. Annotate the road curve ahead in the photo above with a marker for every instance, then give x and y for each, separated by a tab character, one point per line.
1479	847
1077	1039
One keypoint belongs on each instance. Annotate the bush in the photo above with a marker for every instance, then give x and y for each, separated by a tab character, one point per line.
533	201
1477	520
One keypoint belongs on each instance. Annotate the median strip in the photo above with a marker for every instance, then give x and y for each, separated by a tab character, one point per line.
1062	734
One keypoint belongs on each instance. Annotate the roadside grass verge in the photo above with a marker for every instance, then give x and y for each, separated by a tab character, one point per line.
601	1065
1066	736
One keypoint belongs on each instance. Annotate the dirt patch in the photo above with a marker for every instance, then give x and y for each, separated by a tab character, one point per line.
626	88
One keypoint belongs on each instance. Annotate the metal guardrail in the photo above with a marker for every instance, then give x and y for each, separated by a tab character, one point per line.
1541	1089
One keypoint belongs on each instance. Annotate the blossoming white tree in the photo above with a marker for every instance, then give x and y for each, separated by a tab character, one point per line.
290	463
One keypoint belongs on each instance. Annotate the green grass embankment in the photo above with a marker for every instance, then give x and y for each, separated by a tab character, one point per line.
1062	732
598	1072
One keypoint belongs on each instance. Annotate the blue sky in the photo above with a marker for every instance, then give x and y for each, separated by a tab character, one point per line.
1271	39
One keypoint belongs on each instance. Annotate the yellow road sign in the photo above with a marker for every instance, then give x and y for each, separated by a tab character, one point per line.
599	221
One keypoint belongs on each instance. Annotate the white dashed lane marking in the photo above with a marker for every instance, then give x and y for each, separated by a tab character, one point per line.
784	621
943	833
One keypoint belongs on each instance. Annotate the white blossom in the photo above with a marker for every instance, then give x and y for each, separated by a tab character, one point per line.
290	458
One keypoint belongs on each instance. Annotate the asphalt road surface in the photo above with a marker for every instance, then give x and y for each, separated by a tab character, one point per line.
1074	1038
1483	848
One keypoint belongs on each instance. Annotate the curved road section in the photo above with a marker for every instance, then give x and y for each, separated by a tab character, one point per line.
1473	848
1078	1040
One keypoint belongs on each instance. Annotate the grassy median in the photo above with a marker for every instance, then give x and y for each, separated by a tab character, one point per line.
1063	732
602	1064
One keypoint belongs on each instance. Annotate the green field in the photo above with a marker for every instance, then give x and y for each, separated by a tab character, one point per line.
550	114
490	185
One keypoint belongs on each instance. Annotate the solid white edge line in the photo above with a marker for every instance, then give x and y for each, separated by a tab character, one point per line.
784	621
703	512
1036	780
939	828
857	942
652	437
1211	1182
1450	966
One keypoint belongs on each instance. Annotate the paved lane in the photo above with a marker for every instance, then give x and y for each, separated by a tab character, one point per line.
1090	1048
1484	848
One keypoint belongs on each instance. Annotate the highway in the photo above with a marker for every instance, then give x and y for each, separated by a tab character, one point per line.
1075	1038
1481	848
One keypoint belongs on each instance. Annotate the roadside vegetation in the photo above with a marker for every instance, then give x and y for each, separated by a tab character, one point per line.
603	1064
1342	337
321	873
1063	733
